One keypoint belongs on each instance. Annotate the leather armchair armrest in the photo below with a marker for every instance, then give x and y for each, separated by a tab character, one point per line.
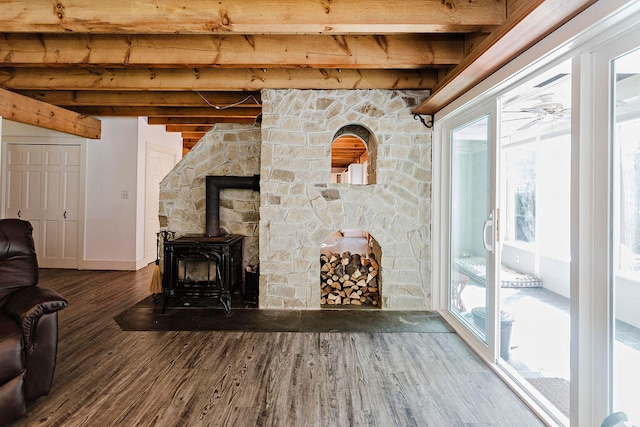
27	305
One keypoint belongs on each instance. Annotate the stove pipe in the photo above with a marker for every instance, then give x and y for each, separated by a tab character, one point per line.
213	186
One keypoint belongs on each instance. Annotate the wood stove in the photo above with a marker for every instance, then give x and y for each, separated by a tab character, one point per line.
202	266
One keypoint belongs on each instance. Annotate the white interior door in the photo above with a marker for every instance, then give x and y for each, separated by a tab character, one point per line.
159	163
42	187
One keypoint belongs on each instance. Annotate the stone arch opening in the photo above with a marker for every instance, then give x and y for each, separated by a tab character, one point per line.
353	156
350	271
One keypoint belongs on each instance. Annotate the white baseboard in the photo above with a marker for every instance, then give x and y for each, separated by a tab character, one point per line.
111	265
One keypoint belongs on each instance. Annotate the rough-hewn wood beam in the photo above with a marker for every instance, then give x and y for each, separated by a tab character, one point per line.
232	51
22	109
190	142
251	16
197	120
193	135
187	128
529	23
74	98
238	112
213	79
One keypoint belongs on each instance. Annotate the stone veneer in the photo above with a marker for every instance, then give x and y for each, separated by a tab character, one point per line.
299	207
227	150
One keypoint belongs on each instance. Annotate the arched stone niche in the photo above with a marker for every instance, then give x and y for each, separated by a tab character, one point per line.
353	155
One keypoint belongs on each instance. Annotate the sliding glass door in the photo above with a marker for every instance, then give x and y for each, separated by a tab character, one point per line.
470	210
535	257
509	233
538	244
620	62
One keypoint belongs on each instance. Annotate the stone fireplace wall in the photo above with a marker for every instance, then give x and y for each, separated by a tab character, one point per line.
227	150
299	207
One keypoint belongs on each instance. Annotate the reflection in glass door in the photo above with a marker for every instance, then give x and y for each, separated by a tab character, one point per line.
469	207
535	190
625	235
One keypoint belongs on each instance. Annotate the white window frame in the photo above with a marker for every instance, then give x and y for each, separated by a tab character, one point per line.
575	40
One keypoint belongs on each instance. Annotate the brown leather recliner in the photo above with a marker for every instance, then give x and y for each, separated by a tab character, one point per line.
28	323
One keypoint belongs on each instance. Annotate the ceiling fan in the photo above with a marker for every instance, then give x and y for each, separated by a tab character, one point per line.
545	110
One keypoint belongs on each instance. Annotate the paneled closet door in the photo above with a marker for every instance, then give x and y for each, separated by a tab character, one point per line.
42	187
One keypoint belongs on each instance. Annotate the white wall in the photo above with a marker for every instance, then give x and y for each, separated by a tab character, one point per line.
115	163
110	218
114	226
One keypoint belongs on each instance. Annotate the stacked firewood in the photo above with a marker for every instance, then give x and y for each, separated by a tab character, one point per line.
349	279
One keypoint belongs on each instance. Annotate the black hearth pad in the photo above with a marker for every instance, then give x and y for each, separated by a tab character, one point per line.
144	316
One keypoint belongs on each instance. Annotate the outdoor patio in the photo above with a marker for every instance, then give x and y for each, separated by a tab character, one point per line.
540	341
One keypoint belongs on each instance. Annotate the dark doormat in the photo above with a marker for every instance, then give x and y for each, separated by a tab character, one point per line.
197	316
554	389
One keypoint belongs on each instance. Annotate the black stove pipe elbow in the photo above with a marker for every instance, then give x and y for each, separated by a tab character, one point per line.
213	186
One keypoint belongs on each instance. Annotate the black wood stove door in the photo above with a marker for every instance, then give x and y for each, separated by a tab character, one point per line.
201	267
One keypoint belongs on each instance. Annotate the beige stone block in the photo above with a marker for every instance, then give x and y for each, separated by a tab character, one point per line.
283	291
405	277
323	103
298	216
316	176
272	303
406	303
299	191
406	263
282	175
281	248
321	139
350	97
319	151
404	207
305	265
335	209
269	213
336	109
282	229
294	304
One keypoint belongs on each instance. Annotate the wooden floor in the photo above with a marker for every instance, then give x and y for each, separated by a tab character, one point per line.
109	377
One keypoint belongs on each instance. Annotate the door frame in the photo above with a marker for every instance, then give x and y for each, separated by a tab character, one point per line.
152	147
49	140
604	270
441	215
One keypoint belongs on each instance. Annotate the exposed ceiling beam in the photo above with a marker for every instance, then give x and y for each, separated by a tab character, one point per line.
231	51
197	120
23	109
224	79
241	17
528	24
85	98
187	128
190	142
146	111
193	135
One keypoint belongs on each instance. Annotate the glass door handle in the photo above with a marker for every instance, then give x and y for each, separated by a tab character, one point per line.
488	223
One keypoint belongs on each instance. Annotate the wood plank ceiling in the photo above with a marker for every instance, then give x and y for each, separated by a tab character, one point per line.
190	65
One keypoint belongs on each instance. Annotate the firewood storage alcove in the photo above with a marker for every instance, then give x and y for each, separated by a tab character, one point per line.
350	271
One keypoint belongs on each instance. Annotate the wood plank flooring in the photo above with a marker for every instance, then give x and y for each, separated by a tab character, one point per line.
106	376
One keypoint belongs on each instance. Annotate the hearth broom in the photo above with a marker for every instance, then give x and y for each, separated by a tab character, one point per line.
156	279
